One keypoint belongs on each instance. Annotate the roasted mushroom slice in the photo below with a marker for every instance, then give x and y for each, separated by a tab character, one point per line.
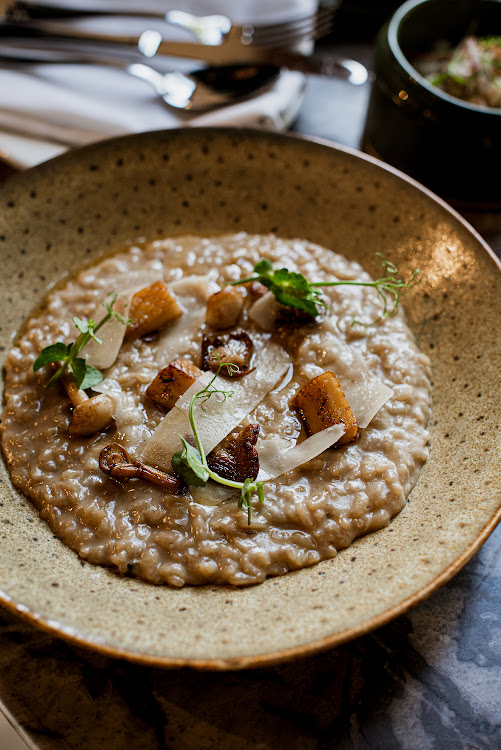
236	348
224	308
114	461
321	403
236	458
172	382
151	308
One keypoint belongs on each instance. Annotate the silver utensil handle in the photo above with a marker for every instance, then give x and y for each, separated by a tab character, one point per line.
209	30
20	10
328	65
151	43
48	55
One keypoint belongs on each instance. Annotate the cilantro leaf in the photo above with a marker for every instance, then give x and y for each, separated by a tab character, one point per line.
188	465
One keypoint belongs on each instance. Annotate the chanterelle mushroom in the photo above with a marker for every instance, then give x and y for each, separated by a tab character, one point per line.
90	415
236	348
115	461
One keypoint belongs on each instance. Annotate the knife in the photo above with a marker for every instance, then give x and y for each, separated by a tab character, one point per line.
231	50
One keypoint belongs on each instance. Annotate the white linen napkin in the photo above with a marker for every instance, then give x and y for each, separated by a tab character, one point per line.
46	109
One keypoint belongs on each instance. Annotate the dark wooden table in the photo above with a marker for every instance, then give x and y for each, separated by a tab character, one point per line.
430	680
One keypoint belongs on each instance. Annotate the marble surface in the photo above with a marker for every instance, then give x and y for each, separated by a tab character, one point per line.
430	680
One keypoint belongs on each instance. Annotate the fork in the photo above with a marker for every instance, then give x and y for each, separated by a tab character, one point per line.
238	44
212	30
45	49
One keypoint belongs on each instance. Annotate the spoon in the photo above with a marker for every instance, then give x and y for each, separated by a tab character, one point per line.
209	87
197	91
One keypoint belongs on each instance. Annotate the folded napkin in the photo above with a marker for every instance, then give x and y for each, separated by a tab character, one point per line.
46	109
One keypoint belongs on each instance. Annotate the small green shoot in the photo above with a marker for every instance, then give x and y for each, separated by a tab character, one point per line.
85	375
191	463
294	290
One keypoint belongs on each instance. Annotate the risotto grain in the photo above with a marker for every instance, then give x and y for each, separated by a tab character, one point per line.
308	514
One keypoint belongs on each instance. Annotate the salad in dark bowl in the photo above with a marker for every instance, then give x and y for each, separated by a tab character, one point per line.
434	111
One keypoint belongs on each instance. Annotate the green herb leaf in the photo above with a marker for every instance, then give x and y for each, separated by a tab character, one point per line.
264	267
92	377
188	464
289	288
293	290
52	353
191	464
83	325
79	367
86	376
108	305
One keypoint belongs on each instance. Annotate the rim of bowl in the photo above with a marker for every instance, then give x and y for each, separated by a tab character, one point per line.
393	43
78	639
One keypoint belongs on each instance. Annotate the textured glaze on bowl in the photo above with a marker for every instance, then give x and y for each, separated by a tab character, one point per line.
69	212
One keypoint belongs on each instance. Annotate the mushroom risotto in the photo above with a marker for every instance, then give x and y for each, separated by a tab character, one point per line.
219	409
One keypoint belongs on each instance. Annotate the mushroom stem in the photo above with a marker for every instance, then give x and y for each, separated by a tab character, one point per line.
90	415
75	394
115	461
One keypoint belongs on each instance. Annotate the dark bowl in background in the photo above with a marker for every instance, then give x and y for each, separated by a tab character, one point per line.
451	146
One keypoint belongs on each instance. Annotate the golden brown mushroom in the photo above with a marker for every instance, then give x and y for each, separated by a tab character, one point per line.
236	348
236	458
224	308
172	382
151	308
321	403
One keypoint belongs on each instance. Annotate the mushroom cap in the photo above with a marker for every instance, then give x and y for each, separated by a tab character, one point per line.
92	415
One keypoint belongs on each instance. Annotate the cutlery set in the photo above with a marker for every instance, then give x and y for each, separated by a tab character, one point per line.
239	61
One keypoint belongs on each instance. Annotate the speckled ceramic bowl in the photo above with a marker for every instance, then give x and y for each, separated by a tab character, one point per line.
70	211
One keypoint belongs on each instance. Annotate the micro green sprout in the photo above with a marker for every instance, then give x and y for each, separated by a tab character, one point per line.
292	289
191	463
86	376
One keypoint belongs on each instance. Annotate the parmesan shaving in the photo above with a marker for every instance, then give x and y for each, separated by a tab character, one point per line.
276	457
217	417
192	292
112	333
128	416
264	311
365	392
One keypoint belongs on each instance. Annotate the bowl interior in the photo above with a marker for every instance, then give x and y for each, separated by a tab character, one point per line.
71	211
418	25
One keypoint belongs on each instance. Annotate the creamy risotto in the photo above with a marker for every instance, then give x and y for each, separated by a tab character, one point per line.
201	535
